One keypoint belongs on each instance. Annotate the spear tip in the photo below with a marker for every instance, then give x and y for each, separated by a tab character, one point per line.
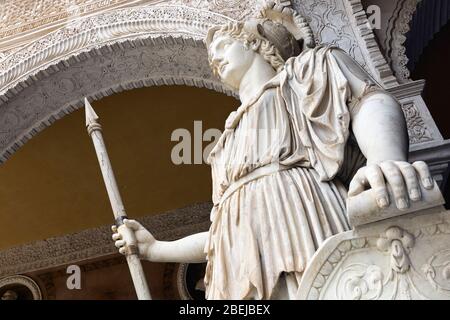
91	116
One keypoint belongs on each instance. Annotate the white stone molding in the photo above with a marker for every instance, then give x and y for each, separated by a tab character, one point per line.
21	280
96	243
127	48
92	33
345	24
366	38
400	258
158	45
396	37
421	126
25	20
426	142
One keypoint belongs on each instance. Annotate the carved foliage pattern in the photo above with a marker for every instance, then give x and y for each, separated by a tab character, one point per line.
396	277
93	32
19	16
330	23
333	260
417	129
42	106
236	9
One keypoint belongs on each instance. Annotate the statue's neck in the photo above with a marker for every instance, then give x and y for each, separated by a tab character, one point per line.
257	75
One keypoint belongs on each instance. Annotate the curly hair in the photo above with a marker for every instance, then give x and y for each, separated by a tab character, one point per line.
261	46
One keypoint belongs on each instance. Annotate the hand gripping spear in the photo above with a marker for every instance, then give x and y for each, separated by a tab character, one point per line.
134	264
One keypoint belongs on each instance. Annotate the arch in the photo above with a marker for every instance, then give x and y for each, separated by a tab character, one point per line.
132	47
98	56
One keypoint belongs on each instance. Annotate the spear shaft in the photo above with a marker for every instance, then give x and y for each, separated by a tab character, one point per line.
134	264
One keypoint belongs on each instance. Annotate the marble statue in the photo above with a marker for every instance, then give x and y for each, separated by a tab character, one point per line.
313	129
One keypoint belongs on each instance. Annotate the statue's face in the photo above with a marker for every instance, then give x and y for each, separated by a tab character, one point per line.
230	59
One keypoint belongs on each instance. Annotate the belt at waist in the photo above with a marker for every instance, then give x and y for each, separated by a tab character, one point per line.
255	174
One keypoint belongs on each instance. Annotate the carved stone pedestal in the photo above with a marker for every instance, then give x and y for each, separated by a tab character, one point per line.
406	257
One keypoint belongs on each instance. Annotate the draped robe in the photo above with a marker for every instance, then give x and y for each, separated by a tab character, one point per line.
276	191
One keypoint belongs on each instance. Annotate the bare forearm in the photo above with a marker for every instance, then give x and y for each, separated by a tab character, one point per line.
186	250
380	129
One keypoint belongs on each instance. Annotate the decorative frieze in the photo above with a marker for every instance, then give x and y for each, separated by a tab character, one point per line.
92	33
20	16
417	128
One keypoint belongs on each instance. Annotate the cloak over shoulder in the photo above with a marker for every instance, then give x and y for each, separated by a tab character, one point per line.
316	94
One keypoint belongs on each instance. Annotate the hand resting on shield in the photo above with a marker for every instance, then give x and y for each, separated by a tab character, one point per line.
391	188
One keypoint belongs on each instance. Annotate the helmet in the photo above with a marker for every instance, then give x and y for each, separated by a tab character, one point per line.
284	28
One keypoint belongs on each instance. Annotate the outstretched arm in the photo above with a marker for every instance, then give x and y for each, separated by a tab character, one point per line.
186	250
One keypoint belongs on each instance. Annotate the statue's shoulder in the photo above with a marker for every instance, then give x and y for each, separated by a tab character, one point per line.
341	54
322	49
348	65
332	49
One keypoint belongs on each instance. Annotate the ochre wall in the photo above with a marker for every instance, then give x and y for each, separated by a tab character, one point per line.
53	186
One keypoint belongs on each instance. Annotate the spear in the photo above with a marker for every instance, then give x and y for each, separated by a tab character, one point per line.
134	264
